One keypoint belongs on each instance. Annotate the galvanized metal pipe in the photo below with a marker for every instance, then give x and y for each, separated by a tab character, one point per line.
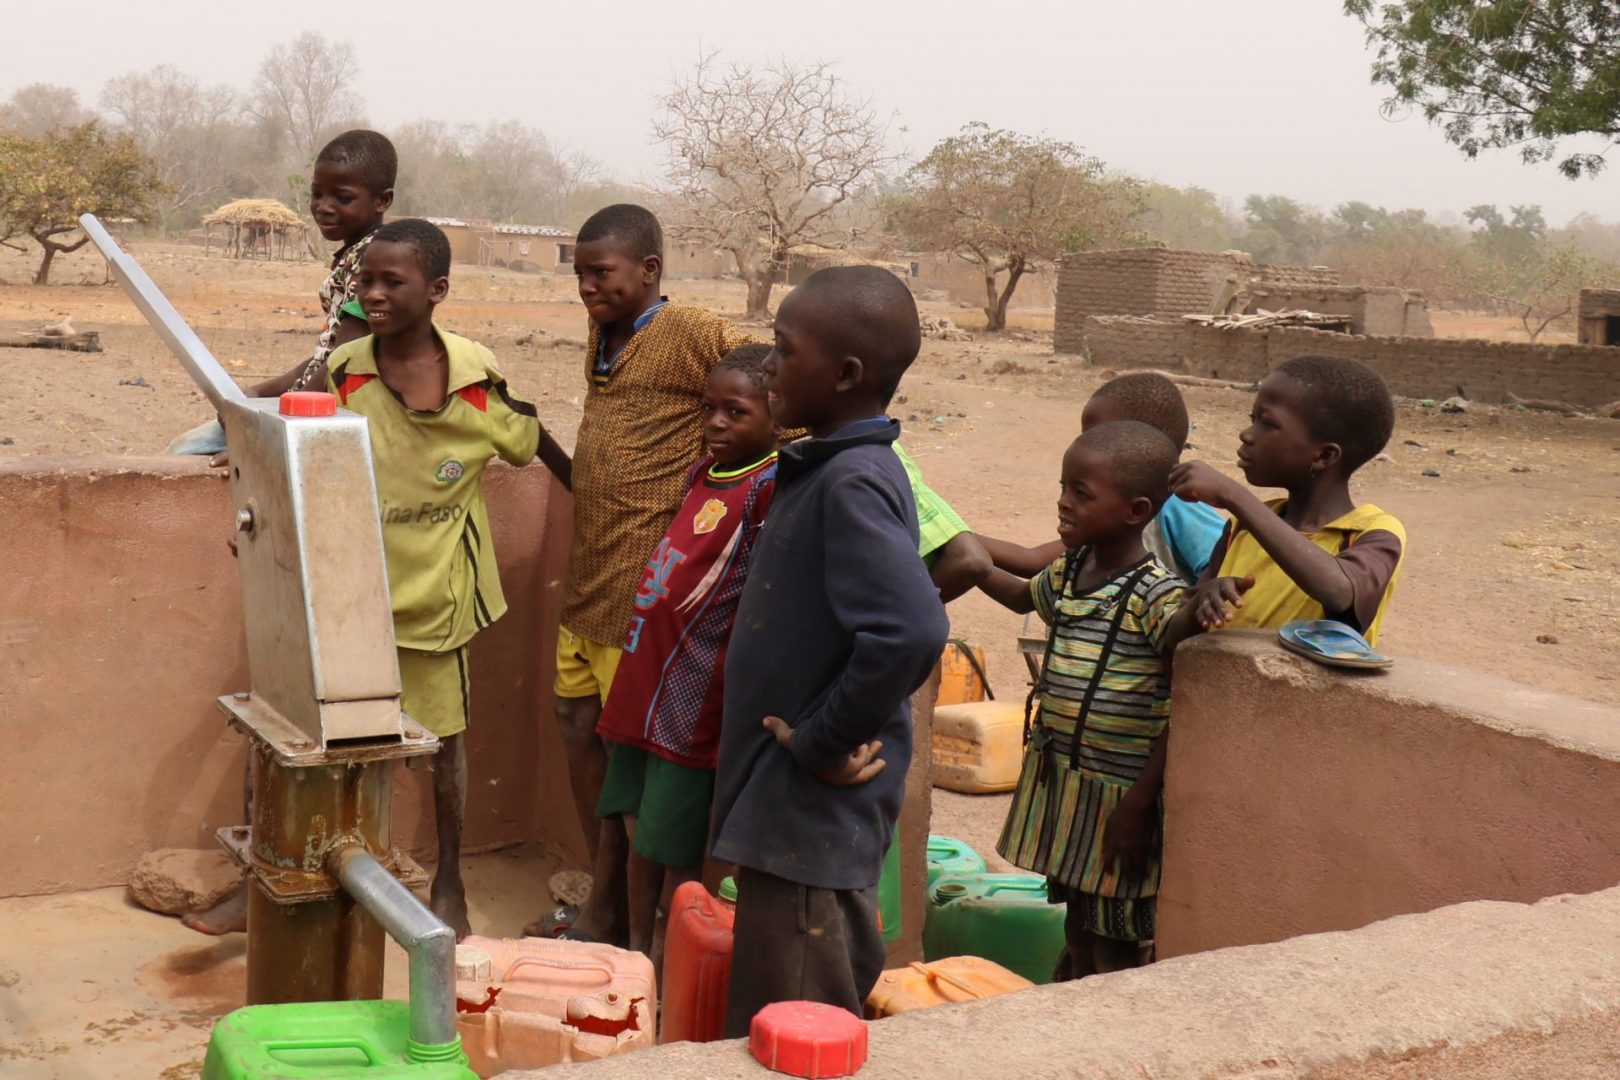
430	944
205	371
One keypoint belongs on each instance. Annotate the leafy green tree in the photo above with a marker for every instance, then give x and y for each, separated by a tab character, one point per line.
1377	246
1508	240
46	183
1513	264
1189	217
1504	73
1009	203
1281	230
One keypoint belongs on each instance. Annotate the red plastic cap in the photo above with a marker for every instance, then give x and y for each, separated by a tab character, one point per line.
308	403
806	1038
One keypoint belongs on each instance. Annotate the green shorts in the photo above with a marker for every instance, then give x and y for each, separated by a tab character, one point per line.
670	803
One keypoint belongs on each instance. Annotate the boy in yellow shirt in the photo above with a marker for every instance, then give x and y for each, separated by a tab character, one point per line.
438	411
1315	554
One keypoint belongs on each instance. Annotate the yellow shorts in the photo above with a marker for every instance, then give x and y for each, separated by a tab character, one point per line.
434	689
584	667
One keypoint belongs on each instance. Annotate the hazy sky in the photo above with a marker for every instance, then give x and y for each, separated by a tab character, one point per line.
1239	97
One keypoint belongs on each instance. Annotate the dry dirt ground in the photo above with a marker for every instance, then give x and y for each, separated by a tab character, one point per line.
94	987
1514	559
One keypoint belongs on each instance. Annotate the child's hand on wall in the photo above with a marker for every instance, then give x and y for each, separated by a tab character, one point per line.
1198	481
1214	602
860	767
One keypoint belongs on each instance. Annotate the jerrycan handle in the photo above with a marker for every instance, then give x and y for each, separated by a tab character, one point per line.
324	1042
580	966
1036	885
931	974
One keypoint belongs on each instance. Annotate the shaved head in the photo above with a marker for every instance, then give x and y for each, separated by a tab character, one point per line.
865	312
1140	457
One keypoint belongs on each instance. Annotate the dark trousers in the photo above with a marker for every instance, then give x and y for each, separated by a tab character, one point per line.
794	942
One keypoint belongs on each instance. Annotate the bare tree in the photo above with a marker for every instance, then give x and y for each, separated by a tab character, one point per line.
761	160
515	173
303	87
434	173
40	108
181	125
504	172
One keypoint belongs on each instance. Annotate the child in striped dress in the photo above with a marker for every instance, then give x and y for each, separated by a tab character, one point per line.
1086	812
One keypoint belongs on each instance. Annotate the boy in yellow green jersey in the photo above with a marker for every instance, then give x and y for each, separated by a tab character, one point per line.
438	411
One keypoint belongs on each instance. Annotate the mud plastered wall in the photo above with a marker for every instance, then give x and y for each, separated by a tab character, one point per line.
1486	371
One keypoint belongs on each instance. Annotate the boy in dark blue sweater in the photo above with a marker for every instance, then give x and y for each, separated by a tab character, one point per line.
837	626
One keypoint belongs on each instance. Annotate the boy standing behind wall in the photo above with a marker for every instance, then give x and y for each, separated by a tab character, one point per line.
646	368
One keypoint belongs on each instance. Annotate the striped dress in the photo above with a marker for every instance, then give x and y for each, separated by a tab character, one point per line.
1103	646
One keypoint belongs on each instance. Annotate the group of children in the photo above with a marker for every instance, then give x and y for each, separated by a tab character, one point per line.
757	576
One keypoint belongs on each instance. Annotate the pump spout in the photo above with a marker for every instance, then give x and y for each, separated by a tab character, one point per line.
430	944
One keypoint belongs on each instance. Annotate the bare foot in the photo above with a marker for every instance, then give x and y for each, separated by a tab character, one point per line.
229	916
448	900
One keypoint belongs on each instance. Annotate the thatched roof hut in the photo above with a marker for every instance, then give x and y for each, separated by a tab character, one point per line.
252	224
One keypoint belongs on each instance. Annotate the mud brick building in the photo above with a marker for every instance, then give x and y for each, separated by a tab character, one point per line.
1598	315
1123	309
1158	281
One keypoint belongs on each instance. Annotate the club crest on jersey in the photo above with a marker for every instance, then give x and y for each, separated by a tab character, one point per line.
450	471
707	519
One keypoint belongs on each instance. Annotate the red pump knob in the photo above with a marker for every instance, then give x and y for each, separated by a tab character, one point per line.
308	403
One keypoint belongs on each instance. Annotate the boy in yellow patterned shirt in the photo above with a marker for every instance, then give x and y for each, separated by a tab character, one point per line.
646	367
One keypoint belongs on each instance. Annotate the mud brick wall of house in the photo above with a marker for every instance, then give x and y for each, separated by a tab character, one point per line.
1484	371
1598	314
1156	281
1302	277
1487	371
1382	310
1135	341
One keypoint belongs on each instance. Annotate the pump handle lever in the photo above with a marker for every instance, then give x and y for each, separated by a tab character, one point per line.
194	356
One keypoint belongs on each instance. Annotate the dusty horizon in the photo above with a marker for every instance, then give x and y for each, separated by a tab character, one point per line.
1261	97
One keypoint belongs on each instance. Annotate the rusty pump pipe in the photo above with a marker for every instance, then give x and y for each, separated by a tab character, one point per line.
430	944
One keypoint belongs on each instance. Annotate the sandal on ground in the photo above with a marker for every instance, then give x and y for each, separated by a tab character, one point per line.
1332	643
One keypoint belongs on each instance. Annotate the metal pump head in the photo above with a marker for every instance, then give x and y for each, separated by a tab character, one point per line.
320	629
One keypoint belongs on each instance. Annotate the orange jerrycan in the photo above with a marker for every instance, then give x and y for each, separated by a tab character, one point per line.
978	746
697	963
944	982
961	674
533	1002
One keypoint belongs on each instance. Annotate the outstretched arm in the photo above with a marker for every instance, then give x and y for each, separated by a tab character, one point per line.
1020	560
960	566
1315	571
1010	591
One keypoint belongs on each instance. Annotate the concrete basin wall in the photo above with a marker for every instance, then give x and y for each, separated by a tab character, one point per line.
121	622
1480	991
1300	799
